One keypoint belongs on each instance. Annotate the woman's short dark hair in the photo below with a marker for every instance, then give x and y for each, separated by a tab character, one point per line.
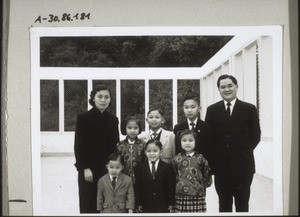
96	89
115	156
226	76
189	132
155	142
129	119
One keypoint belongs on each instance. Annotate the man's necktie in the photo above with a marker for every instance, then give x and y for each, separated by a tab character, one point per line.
153	169
193	126
228	109
153	135
113	182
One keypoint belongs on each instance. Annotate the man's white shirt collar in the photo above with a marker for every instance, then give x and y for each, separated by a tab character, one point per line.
231	106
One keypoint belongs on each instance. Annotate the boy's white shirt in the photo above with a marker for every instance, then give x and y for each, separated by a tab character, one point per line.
157	132
111	177
156	164
189	122
165	134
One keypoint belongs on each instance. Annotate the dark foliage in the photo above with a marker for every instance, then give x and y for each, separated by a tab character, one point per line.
129	51
160	96
75	101
122	51
49	105
133	99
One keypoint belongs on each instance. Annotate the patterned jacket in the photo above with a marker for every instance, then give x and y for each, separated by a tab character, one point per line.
133	154
192	174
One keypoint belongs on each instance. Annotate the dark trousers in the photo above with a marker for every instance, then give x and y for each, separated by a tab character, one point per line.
229	187
87	194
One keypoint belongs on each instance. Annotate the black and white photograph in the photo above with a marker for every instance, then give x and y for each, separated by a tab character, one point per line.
203	105
149	108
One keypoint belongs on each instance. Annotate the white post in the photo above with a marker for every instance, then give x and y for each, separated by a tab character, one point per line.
174	88
61	106
89	89
147	102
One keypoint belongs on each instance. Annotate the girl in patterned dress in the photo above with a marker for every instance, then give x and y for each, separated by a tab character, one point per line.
131	148
192	176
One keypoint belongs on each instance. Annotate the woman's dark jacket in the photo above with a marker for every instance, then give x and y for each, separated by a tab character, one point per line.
96	136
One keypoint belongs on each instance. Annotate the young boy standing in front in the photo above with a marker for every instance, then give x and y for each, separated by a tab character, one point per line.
115	192
191	108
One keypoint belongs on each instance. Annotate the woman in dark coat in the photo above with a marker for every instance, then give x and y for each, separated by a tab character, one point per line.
96	136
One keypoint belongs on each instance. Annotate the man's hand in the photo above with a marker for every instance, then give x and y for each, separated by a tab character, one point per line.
88	175
170	209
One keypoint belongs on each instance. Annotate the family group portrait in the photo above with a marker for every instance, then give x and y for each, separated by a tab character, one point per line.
156	120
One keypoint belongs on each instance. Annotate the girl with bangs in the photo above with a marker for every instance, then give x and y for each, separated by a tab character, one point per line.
192	175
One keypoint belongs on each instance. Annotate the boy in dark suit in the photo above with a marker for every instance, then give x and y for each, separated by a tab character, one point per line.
155	182
191	108
236	133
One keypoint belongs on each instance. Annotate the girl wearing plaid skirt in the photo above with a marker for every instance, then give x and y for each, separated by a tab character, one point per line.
192	176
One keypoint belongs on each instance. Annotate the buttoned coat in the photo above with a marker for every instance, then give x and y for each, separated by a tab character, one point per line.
117	200
167	139
96	137
234	138
155	195
203	132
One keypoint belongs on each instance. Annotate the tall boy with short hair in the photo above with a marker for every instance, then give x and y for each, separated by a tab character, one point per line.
191	108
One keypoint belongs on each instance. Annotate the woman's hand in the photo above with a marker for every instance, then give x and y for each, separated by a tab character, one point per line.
88	175
130	211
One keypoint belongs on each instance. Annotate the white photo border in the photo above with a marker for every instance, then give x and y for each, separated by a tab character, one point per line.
243	33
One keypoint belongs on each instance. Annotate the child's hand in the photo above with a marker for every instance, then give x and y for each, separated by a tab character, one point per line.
130	211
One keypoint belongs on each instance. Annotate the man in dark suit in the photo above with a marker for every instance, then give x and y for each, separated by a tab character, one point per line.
191	108
235	132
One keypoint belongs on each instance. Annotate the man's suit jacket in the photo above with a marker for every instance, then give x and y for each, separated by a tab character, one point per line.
203	133
116	200
96	137
167	139
155	195
234	138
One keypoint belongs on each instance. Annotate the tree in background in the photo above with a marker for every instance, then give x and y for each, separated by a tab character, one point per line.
160	96
122	51
49	105
75	98
129	51
133	99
